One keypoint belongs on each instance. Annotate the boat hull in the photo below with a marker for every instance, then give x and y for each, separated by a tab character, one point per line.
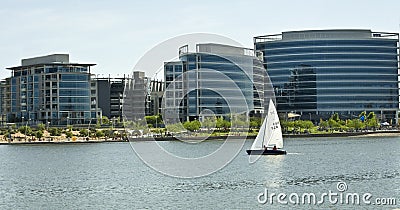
266	152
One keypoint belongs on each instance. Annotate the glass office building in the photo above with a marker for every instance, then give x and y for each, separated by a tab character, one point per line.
50	89
320	72
136	99
214	80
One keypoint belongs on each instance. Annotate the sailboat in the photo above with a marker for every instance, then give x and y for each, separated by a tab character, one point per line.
269	139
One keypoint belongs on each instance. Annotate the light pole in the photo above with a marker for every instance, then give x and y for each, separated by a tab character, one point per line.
112	123
26	126
90	121
23	125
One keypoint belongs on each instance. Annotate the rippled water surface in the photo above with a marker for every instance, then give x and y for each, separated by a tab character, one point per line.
111	176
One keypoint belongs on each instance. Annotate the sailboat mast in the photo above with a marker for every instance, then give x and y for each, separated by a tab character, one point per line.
265	125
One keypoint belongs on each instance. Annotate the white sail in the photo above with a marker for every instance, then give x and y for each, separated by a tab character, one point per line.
274	130
270	133
259	141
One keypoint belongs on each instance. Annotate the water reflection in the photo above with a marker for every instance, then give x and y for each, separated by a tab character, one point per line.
109	176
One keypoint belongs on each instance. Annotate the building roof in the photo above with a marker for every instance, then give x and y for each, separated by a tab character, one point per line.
326	34
53	59
51	64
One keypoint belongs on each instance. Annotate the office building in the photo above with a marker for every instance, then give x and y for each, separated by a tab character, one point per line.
215	80
320	72
156	97
51	89
136	97
112	95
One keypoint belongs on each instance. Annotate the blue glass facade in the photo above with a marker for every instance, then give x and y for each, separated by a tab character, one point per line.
219	83
58	93
327	71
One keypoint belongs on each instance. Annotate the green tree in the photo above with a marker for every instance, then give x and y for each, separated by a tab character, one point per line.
307	124
239	121
209	123
55	131
255	122
335	117
109	133
139	125
99	133
25	130
371	121
69	134
84	132
70	127
174	128
371	116
192	125
221	123
41	127
298	124
323	124
355	124
39	134
154	120
105	120
332	124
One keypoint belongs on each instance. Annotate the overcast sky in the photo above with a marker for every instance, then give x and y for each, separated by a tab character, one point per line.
115	34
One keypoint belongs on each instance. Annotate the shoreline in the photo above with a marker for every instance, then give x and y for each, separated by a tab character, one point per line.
144	139
354	134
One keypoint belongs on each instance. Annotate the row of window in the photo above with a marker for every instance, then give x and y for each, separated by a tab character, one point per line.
74	92
74	99
334	77
328	49
332	63
346	43
337	70
49	70
341	56
83	85
354	83
75	107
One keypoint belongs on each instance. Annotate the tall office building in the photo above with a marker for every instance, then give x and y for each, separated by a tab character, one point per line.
320	72
4	101
136	97
50	89
156	96
111	98
129	91
215	80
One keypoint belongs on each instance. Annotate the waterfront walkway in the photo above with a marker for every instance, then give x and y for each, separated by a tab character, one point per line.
80	140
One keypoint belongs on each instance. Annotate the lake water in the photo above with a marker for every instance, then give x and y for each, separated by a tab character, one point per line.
111	176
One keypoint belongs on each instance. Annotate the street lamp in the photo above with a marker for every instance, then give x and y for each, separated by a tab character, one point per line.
90	121
22	120
26	125
112	123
